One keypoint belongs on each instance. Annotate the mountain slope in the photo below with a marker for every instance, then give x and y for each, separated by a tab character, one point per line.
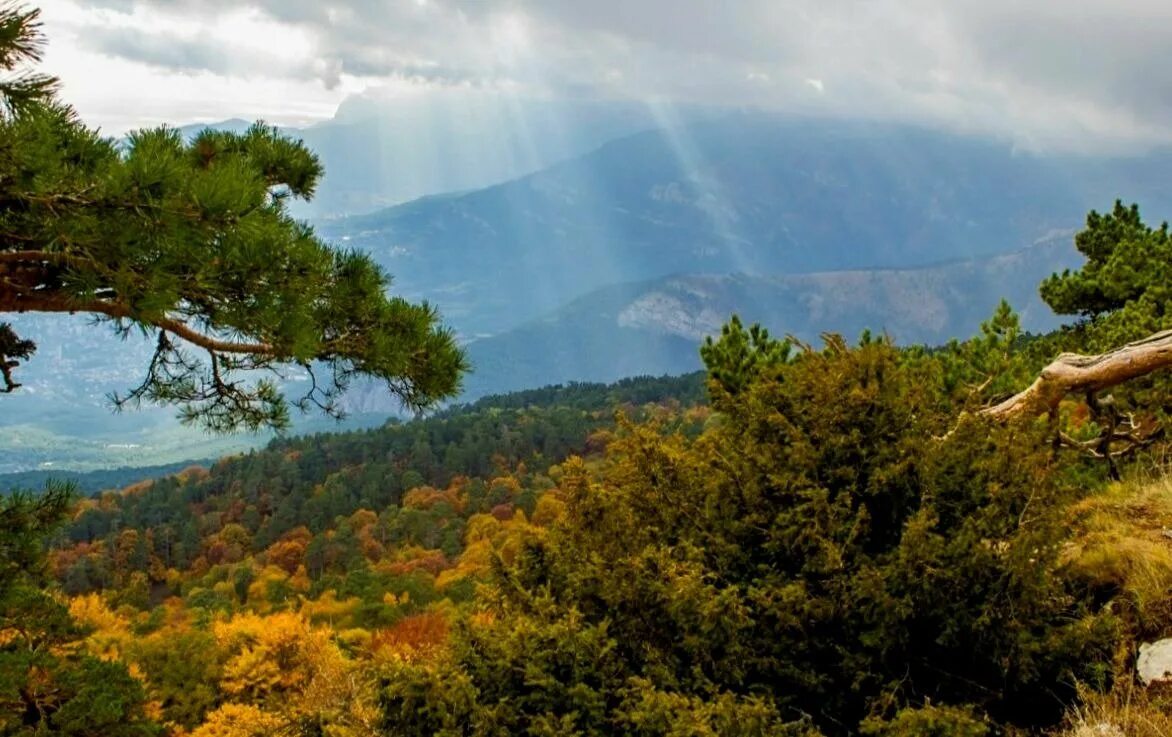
748	194
768	198
655	327
381	153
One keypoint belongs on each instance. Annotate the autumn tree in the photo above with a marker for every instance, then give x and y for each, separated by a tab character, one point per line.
191	242
48	685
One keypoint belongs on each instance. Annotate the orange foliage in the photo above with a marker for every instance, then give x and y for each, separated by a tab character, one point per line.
297	534
193	473
363	519
286	555
597	441
425	497
137	487
412	638
372	549
417	559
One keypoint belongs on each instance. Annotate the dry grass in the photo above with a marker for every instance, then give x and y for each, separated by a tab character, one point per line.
1122	543
1127	712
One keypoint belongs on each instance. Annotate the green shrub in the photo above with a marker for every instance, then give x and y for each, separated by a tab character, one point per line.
825	554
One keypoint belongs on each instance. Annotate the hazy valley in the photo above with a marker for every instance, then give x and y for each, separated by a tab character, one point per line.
637	248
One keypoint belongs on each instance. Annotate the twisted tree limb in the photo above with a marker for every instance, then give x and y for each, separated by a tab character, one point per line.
1073	373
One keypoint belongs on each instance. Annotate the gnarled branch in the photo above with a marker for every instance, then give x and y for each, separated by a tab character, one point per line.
58	303
1071	373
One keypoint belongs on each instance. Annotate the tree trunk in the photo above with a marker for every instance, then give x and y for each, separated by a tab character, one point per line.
1071	373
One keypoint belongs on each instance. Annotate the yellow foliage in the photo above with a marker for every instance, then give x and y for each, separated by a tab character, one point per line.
390	599
91	610
282	663
549	510
259	672
268	654
247	629
225	589
508	484
481	527
476	560
328	608
300	580
519	532
337	695
238	720
476	556
482	619
111	630
356	638
449	577
258	590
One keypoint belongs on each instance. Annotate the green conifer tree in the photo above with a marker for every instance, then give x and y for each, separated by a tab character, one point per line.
191	242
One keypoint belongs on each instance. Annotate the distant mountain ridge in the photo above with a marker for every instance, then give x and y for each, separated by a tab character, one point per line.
656	327
618	261
748	194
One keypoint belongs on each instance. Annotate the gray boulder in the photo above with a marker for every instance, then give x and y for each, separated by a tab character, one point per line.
1154	664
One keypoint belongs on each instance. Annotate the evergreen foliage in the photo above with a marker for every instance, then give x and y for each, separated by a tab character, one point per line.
816	559
192	242
1122	290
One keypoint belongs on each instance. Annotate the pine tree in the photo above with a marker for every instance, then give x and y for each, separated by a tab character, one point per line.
191	242
1122	291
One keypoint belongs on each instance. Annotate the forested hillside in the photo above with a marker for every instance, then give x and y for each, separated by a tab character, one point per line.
842	538
853	535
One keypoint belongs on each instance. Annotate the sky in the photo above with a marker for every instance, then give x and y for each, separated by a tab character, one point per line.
1086	75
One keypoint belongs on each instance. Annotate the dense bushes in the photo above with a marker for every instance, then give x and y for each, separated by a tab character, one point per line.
819	558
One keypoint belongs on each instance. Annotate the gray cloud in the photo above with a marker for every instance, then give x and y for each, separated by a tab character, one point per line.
1076	73
170	51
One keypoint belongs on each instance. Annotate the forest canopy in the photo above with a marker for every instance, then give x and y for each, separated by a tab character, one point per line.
848	538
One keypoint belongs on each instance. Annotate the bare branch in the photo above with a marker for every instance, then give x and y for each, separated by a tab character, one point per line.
56	303
1072	372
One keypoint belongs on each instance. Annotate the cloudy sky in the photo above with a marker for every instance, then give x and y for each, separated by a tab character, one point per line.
1086	74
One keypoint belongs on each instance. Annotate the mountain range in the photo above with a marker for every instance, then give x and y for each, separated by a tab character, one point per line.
747	194
618	259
